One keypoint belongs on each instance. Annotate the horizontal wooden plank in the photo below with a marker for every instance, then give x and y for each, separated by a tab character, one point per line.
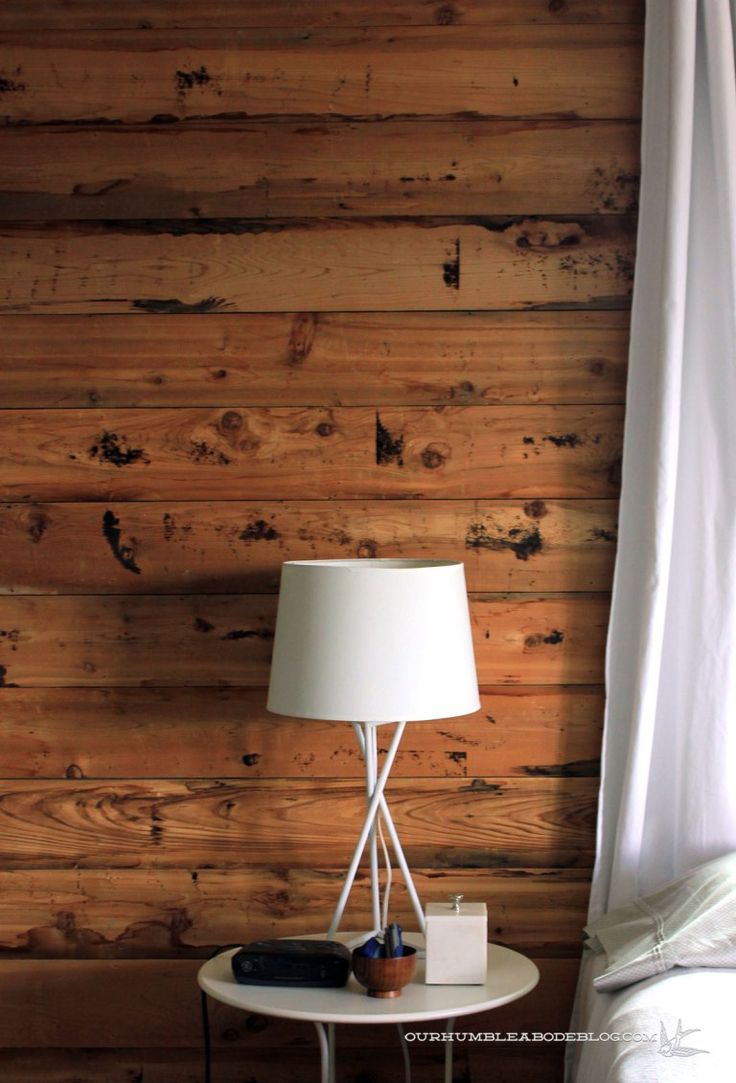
503	1063
184	266
354	452
139	548
154	75
307	359
177	913
225	639
227	733
154	1004
265	170
445	823
144	14
263	1066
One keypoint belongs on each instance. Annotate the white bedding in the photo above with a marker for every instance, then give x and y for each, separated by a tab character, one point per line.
702	998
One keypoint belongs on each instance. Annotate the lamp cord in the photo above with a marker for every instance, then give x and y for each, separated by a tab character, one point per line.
206	1037
389	872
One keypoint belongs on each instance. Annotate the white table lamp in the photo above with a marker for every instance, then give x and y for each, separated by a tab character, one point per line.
371	642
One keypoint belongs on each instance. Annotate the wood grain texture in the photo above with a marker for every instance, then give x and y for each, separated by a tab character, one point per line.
507	1063
307	359
263	1066
345	452
227	733
185	266
302	278
223	639
155	1002
213	547
529	71
445	823
181	913
146	14
263	170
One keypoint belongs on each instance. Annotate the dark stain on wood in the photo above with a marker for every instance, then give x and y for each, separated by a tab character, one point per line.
451	268
124	554
389	449
617	190
10	86
367	548
99	189
625	266
479	785
433	456
63	938
523	544
231	421
203	625
185	227
574	769
445	15
599	534
614	473
202	453
12	636
337	537
301	338
114	450
4	683
536	640
37	525
568	439
462	390
250	759
258	530
188	80
173	307
603	303
536	509
242	633
79	122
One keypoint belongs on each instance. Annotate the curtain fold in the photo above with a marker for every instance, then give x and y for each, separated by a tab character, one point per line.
668	791
668	787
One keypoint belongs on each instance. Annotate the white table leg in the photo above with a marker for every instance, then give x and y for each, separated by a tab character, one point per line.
449	1029
326	1061
405	1051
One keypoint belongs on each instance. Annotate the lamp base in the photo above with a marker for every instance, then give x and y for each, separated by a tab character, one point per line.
376	802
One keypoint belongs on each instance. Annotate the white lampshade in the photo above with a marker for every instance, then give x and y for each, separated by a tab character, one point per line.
373	641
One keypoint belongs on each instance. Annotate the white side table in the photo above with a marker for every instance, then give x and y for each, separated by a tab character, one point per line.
510	976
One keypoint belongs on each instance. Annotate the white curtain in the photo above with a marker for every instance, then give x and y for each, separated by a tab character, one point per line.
668	789
668	797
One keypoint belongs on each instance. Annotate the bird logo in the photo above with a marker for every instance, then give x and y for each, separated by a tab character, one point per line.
673	1047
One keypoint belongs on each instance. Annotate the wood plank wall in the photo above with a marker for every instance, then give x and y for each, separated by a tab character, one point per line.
278	280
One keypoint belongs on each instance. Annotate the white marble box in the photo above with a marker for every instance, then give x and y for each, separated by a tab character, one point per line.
457	937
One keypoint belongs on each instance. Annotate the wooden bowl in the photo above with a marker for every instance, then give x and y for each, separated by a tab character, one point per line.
385	977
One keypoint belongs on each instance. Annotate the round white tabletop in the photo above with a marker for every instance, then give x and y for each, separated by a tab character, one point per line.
510	976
